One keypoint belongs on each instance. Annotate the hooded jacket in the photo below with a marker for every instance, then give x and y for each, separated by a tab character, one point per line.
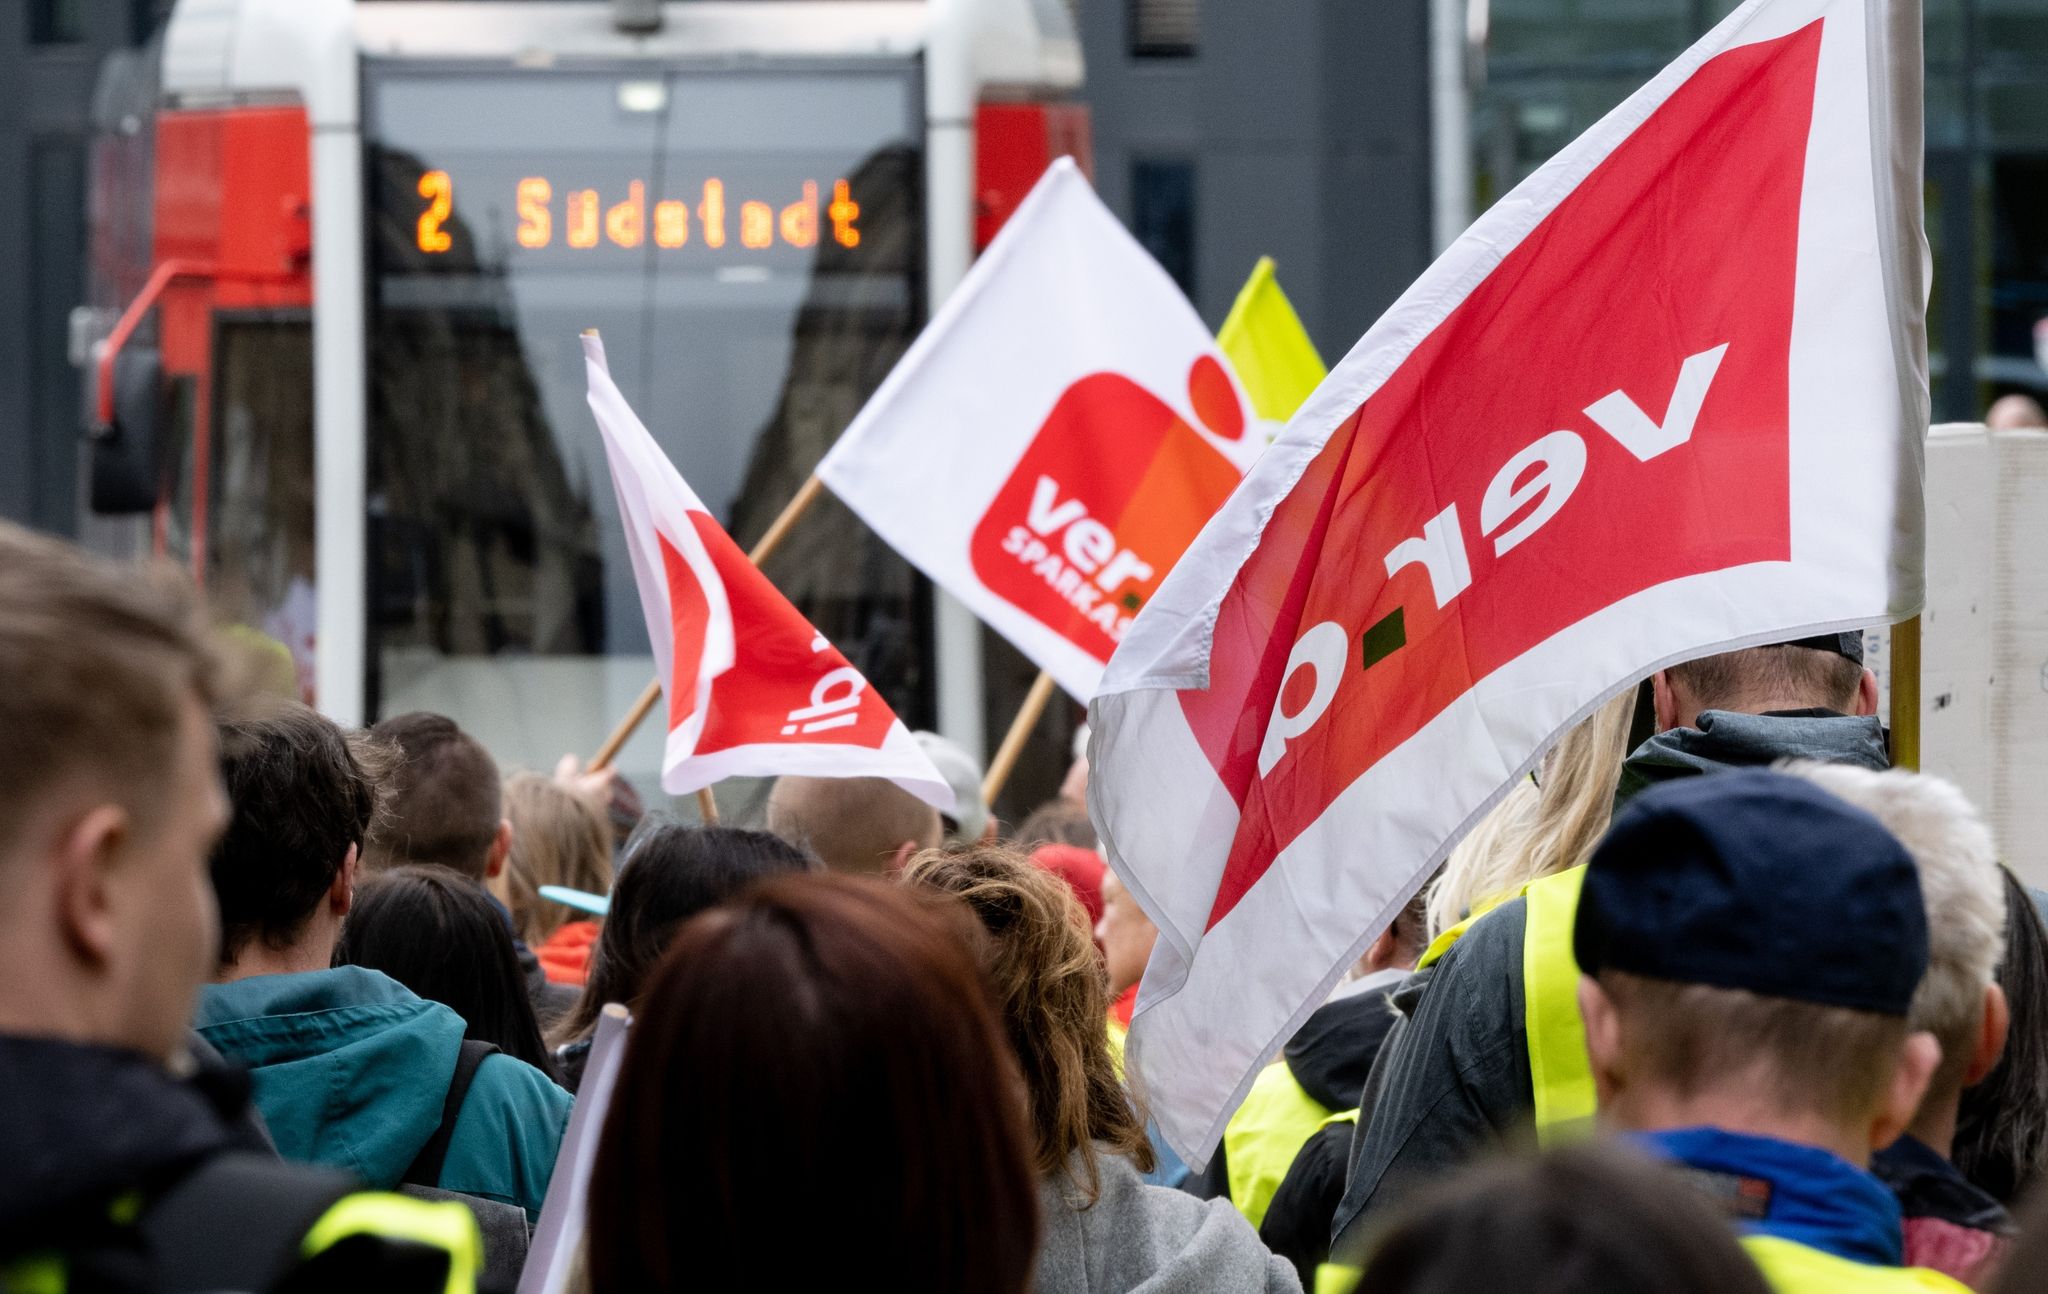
351	1069
96	1136
1950	1225
1331	1057
1453	1076
1149	1240
1723	740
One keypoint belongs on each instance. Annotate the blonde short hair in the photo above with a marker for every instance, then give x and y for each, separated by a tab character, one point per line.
1959	881
1692	1039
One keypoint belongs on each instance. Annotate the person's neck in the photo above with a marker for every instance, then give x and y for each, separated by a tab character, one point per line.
1668	1112
308	954
1935	1125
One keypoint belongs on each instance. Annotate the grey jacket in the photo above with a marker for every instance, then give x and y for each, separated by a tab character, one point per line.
1153	1239
1453	1077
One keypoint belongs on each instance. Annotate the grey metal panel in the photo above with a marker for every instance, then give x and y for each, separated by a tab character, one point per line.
1308	125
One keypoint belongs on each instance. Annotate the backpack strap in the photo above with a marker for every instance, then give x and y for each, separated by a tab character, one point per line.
237	1222
426	1168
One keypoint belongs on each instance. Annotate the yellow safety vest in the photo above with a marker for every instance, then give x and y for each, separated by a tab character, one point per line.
1793	1268
1561	1076
1261	1140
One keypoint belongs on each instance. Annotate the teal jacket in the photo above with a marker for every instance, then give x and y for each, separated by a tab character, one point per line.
351	1070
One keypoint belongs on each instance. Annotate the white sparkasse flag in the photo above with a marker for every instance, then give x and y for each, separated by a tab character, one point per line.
1667	397
752	689
1055	437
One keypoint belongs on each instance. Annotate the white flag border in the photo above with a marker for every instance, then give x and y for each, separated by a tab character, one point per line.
1136	677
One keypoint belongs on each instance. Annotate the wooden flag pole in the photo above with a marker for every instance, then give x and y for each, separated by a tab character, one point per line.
778	530
1028	715
1906	694
707	806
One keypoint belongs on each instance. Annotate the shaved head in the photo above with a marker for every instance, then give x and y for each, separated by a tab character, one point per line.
855	824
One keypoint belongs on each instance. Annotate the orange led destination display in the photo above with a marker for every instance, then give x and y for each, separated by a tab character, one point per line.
585	218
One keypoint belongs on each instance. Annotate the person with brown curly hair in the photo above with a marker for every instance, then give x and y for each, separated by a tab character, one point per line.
1105	1229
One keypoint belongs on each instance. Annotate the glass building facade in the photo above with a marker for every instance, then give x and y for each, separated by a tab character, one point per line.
1553	67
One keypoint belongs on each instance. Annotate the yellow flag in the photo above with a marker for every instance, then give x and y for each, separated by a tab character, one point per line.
1263	338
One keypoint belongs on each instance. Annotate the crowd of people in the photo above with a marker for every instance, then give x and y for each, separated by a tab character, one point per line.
1715	1000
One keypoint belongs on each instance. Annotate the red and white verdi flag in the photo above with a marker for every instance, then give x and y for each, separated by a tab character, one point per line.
1055	438
1666	397
752	689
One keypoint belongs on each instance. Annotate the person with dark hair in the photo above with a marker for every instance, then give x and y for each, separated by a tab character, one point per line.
131	1163
816	1062
441	803
1106	1229
1457	1073
350	1067
1588	1220
671	871
2025	1269
2001	1135
435	932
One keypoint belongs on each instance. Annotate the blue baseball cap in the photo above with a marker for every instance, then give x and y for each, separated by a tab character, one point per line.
1759	881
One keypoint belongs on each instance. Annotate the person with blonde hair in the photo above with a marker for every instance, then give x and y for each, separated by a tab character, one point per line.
559	837
1547	824
1952	1226
1105	1229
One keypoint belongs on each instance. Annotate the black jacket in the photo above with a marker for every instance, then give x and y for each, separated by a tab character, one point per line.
85	1128
1330	1057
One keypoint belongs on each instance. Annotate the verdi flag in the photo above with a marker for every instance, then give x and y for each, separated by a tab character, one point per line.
1055	437
1667	397
752	689
1267	347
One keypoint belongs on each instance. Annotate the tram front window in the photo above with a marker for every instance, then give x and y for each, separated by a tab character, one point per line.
748	245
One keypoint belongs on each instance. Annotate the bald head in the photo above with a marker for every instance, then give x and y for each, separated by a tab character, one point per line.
2013	412
856	824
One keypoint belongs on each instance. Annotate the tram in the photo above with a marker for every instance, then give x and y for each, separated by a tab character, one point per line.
341	254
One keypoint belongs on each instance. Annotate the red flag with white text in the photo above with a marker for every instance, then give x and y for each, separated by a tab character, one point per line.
752	689
1667	397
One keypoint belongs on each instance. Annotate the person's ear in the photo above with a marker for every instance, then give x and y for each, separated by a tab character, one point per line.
341	895
993	831
1603	1037
1866	695
1664	702
501	850
1384	952
1991	1034
1917	1063
901	858
86	856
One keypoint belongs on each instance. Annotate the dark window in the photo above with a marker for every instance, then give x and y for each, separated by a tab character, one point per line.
56	22
1163	215
1165	28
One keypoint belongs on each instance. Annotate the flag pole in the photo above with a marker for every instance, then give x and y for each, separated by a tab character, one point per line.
707	806
778	530
1028	715
1906	694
